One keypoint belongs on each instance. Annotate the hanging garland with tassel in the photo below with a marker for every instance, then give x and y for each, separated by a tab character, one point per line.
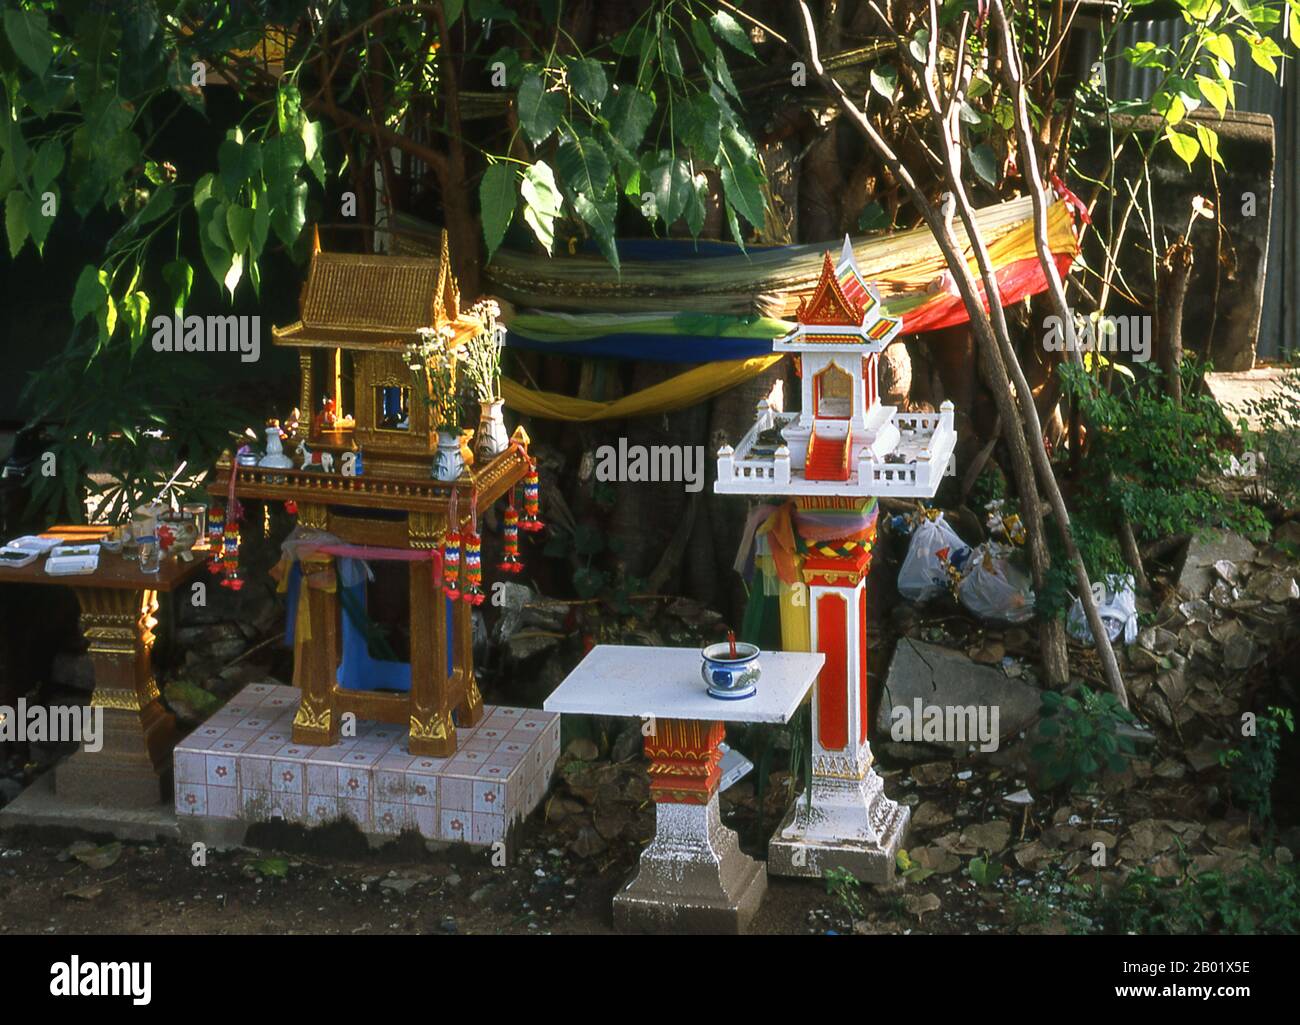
473	556
451	552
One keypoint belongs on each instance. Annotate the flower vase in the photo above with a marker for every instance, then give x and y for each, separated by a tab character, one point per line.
491	439
448	464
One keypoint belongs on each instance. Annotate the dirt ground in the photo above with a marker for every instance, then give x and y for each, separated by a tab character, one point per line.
403	889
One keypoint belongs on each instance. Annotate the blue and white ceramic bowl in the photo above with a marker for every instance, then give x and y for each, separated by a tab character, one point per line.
729	677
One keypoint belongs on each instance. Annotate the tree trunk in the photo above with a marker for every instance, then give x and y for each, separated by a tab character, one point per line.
1175	272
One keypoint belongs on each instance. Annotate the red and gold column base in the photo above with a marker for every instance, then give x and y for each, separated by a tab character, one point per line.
684	759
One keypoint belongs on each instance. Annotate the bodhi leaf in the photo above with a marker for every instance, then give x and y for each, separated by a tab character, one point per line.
88	294
179	275
884	80
541	202
630	114
539	110
1185	146
496	197
583	165
984	162
670	180
741	179
29	35
289	213
17	209
729	30
311	143
599	217
588	80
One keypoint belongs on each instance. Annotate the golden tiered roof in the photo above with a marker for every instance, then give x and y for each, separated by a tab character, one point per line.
374	301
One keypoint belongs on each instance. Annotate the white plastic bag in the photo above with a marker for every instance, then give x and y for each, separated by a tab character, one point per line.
923	575
994	587
1116	604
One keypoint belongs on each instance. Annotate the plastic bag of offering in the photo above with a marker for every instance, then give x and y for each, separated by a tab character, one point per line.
1116	604
924	574
994	587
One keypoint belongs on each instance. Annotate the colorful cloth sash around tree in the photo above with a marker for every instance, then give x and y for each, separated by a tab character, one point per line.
791	532
921	292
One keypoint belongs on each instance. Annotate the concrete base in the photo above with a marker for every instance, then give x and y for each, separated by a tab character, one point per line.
850	824
40	805
693	877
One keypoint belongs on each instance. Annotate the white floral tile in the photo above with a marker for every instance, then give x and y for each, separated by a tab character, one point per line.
288	777
353	782
191	799
489	797
322	808
243	763
221	770
391	819
456	825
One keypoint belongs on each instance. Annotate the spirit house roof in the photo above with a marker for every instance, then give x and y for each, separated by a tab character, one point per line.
844	312
373	301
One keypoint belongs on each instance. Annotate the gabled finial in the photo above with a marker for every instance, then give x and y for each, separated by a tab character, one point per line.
846	254
315	239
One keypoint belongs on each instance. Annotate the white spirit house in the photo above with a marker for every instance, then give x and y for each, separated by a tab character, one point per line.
832	458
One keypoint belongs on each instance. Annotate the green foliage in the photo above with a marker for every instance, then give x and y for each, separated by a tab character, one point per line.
1082	738
1275	440
628	120
1147	460
843	885
584	546
103	104
984	870
141	428
1259	898
1198	68
1158	454
1253	766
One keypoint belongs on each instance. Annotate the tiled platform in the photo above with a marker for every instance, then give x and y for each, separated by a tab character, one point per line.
242	766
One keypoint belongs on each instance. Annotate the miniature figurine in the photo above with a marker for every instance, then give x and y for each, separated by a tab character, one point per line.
327	418
315	460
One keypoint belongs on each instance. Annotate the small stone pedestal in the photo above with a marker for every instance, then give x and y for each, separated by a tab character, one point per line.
693	876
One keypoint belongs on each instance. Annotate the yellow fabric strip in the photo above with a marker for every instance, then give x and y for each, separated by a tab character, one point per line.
796	625
695	385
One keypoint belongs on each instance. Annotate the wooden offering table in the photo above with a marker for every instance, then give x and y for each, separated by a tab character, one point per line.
693	876
118	602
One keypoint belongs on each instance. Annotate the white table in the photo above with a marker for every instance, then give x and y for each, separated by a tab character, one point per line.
693	875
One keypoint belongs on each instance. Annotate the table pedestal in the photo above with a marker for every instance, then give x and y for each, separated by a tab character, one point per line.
693	876
850	823
133	767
